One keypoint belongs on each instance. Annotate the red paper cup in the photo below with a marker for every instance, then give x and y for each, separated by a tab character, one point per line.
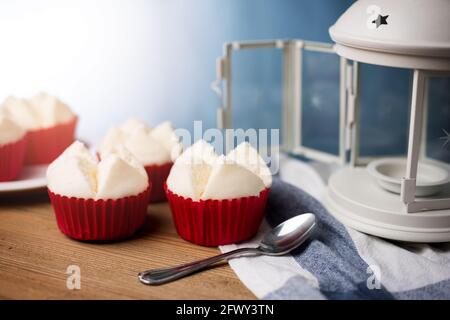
45	145
12	156
217	222
100	220
157	175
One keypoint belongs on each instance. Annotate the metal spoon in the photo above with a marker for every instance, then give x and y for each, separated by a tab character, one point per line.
280	240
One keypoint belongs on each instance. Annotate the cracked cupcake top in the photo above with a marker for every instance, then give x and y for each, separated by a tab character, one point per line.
158	145
77	173
200	174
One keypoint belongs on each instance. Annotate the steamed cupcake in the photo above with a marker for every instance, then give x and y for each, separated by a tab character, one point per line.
155	148
50	125
217	200
98	200
12	149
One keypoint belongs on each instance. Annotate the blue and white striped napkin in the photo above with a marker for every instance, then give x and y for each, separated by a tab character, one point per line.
338	262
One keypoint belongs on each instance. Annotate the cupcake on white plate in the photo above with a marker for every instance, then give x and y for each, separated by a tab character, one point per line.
98	200
12	149
155	148
50	125
217	200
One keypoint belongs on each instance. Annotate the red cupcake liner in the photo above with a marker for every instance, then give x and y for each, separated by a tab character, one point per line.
45	145
217	222
157	175
12	156
100	220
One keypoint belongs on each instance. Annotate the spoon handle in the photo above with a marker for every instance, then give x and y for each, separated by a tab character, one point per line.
160	276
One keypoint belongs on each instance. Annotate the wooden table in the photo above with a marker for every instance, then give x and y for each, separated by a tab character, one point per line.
34	256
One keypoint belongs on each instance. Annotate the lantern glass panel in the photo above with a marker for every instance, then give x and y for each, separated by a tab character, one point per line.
438	119
320	101
385	95
257	89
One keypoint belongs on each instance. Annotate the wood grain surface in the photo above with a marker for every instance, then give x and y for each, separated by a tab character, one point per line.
34	256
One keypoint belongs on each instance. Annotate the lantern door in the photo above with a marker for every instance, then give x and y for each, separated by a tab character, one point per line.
300	87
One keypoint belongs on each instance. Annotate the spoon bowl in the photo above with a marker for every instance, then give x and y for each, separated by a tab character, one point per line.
288	235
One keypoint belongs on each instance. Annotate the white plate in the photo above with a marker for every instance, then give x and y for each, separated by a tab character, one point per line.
31	178
388	173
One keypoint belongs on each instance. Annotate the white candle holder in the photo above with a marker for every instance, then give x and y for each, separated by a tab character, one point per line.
355	197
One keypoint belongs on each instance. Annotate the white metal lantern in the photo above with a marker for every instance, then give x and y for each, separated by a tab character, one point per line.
417	36
385	198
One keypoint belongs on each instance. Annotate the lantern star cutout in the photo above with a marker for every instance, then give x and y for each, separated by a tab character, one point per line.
446	138
380	20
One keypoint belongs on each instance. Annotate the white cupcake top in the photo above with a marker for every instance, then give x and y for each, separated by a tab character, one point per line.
76	173
9	131
40	111
150	146
247	156
200	174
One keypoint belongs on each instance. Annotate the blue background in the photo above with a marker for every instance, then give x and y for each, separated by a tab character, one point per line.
113	59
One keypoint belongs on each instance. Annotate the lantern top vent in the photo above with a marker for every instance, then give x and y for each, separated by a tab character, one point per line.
401	33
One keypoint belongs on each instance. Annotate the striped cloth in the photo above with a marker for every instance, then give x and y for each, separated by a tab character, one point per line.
338	262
